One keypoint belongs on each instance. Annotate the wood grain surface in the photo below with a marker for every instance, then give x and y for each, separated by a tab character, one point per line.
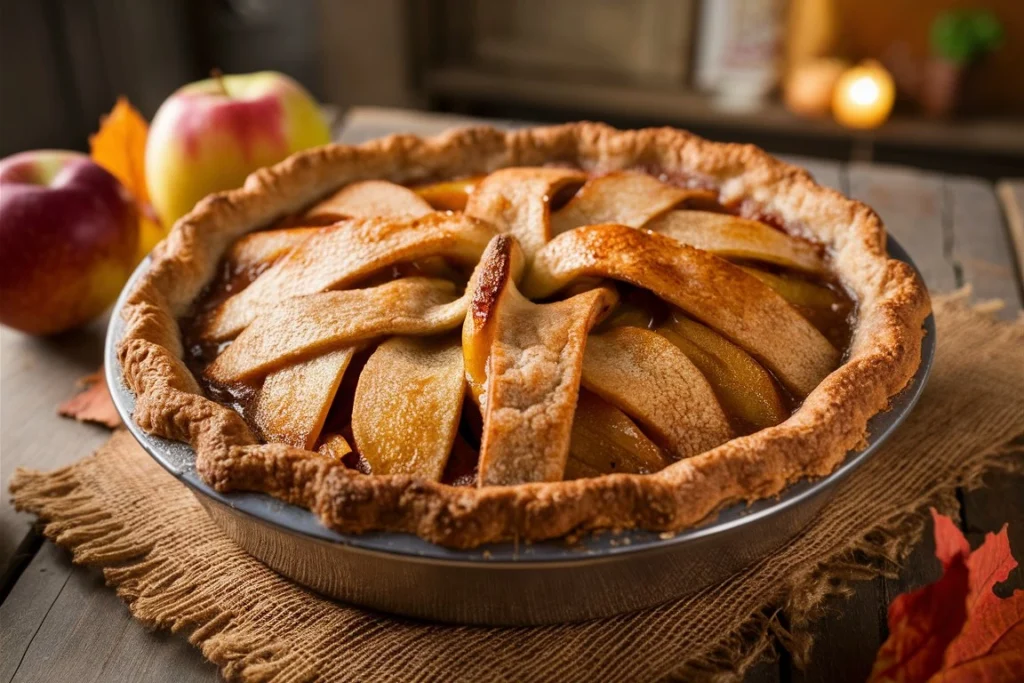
59	623
36	375
1011	194
66	625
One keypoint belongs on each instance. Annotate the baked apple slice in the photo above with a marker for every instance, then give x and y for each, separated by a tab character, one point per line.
341	255
407	406
637	308
605	441
629	315
368	199
796	290
449	195
308	326
517	201
431	266
523	361
293	403
652	381
718	293
372	199
822	306
745	389
734	237
262	248
335	447
623	197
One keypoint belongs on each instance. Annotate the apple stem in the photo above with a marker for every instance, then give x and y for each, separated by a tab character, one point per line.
218	75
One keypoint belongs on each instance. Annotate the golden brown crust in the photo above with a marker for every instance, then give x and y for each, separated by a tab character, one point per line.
884	353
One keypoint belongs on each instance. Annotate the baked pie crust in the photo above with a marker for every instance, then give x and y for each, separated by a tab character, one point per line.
534	306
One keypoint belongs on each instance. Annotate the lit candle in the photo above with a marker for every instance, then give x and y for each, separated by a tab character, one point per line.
864	96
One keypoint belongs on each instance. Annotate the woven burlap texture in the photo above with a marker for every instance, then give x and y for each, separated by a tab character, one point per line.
118	510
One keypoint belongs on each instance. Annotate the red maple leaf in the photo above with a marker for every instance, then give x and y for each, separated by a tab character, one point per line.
990	647
922	624
957	629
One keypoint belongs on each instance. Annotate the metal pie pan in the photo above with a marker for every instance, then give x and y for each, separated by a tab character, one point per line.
507	583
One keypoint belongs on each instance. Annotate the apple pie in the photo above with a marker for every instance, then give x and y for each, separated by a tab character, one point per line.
494	335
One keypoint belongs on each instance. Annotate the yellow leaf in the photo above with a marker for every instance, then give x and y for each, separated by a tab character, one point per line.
120	147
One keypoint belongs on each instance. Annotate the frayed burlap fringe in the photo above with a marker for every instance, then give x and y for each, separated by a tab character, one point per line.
119	511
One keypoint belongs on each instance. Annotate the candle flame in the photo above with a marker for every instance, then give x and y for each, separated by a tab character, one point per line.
864	91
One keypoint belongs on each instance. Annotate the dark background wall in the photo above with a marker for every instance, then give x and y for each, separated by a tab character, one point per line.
64	62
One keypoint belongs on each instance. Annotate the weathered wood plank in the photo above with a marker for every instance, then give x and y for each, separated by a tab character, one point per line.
981	248
766	671
911	204
87	633
1011	194
27	605
35	376
846	638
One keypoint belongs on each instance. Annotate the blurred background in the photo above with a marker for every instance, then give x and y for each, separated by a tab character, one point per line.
761	71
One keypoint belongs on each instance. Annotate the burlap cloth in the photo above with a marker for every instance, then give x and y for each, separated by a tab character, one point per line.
118	510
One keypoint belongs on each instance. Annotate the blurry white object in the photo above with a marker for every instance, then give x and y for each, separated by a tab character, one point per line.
739	50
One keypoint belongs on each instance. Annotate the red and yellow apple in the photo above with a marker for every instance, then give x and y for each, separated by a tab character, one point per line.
209	135
69	233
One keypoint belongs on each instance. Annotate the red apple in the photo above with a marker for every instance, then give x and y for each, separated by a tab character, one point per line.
209	135
68	238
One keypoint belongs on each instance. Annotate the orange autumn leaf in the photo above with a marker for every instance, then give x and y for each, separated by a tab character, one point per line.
120	147
92	403
957	629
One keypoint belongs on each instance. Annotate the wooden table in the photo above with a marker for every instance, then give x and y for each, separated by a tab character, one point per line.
60	623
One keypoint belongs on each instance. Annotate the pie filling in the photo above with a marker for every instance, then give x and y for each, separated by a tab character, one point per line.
535	324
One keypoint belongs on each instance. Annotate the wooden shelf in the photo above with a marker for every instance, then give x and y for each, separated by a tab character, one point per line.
1004	137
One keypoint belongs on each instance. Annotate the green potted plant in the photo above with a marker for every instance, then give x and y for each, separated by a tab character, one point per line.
959	38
